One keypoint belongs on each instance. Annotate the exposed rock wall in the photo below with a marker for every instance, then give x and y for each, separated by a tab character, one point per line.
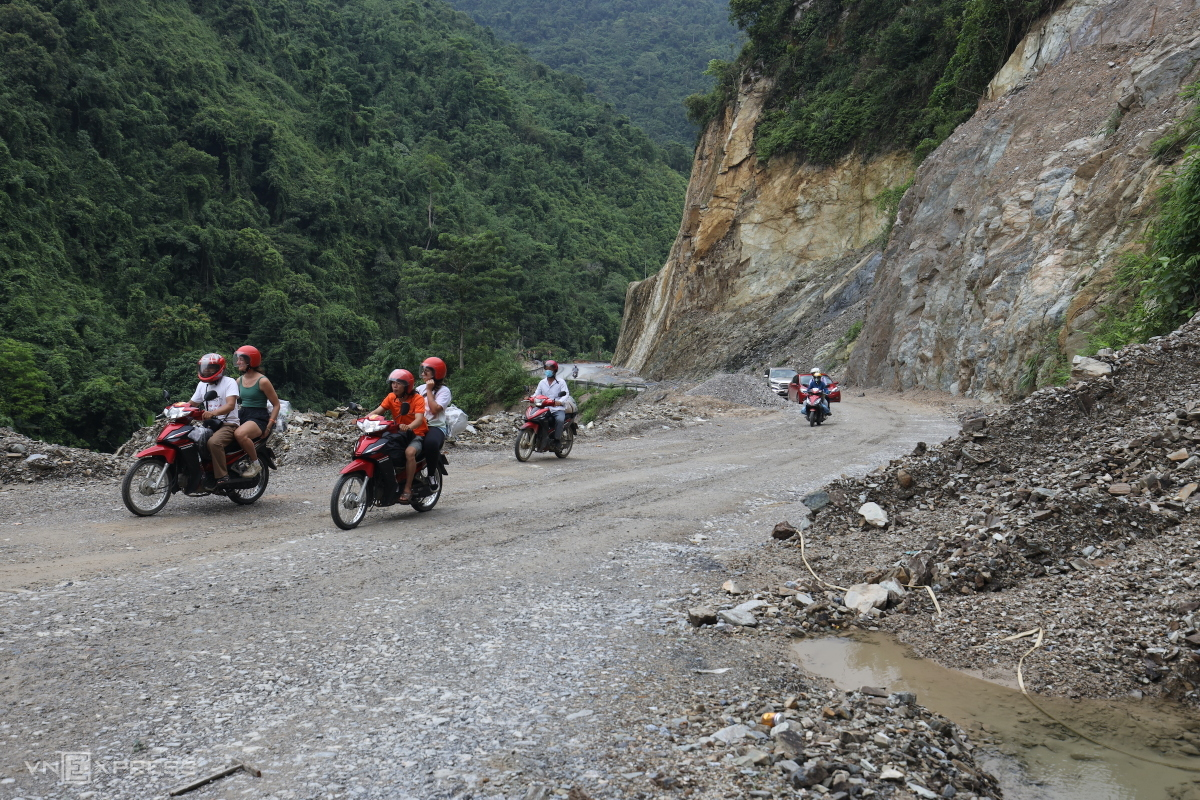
1002	247
767	257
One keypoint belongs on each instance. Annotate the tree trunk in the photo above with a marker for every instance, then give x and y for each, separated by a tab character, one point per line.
462	338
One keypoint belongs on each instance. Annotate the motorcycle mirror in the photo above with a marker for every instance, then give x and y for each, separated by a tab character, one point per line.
562	394
404	409
211	395
166	397
354	408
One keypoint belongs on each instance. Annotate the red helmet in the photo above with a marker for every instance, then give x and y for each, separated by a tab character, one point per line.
251	353
437	365
212	367
551	364
402	375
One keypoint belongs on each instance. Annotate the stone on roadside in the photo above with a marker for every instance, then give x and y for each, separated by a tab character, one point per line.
751	605
732	734
865	597
1187	492
1084	368
874	515
40	461
1119	489
891	774
702	615
1178	455
783	530
1191	463
732	588
742	619
816	501
790	744
904	478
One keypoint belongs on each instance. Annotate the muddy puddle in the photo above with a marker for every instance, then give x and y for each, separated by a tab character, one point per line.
1033	757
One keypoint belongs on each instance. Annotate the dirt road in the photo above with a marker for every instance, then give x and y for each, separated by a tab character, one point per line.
501	641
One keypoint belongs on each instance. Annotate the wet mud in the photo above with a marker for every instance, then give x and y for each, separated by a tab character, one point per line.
1033	756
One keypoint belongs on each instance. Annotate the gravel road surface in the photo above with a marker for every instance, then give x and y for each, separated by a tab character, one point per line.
510	641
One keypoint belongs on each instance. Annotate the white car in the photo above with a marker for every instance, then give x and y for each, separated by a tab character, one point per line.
779	378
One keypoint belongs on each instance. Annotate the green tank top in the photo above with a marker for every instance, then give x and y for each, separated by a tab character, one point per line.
253	397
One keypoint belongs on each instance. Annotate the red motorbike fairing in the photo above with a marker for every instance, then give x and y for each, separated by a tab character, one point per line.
360	465
167	453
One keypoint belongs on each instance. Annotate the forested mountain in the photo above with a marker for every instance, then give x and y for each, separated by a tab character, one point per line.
643	56
342	184
868	76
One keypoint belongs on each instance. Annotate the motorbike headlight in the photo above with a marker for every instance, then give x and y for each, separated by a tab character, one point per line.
176	412
367	425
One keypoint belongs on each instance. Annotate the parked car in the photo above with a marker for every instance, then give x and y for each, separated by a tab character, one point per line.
779	378
795	389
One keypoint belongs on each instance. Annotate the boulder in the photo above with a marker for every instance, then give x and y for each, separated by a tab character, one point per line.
874	515
742	619
1084	368
865	597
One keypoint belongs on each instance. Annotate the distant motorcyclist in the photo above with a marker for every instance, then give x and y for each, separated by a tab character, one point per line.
821	381
409	441
552	386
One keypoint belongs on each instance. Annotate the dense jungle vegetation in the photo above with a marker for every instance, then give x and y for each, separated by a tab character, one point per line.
346	184
867	76
642	56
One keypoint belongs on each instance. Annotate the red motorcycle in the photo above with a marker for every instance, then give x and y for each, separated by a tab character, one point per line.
357	489
536	432
177	463
814	406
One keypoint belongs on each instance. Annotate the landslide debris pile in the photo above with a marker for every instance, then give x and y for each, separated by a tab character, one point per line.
743	390
806	737
1075	511
26	460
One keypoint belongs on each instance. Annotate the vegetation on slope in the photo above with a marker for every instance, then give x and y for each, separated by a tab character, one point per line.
1159	289
642	56
342	184
867	76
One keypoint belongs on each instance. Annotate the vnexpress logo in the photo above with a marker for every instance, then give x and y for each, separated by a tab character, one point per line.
72	768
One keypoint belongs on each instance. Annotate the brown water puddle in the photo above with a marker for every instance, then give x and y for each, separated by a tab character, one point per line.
1031	755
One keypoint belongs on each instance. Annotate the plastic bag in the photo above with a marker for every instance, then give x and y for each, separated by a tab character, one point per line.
200	434
285	411
456	420
569	405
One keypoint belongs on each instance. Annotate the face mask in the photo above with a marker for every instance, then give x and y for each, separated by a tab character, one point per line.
549	373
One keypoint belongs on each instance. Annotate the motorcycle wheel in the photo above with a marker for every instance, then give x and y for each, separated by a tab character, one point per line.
349	502
244	497
427	502
523	444
137	490
568	441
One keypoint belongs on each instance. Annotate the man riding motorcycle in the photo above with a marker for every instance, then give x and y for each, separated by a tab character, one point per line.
412	426
821	381
222	408
551	386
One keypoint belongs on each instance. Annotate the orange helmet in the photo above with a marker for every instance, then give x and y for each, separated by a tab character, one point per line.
437	365
212	367
402	375
251	353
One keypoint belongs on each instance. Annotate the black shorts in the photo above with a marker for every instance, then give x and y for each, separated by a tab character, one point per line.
402	440
259	416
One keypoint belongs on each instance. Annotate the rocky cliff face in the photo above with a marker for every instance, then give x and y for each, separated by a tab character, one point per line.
1002	248
1000	251
768	259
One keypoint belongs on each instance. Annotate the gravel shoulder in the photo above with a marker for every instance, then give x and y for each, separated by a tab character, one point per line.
529	633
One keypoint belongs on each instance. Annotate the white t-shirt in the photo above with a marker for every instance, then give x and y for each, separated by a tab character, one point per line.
442	396
225	388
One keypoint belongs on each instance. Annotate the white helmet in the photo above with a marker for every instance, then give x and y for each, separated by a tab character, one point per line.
816	370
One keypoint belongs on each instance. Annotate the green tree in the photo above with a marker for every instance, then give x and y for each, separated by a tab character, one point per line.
27	389
465	288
